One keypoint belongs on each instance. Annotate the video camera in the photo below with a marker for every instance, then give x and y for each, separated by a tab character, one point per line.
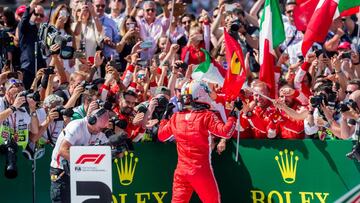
49	35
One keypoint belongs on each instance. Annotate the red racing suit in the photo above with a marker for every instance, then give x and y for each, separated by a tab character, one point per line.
261	123
194	172
290	128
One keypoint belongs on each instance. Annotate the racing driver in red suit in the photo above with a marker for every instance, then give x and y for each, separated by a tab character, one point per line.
192	127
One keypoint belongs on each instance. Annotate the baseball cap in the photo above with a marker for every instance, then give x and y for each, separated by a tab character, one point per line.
12	82
344	45
162	90
20	10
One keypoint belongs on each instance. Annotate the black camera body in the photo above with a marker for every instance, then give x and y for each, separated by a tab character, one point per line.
89	86
327	96
162	103
121	123
63	112
355	153
49	70
10	148
119	143
104	104
31	94
6	41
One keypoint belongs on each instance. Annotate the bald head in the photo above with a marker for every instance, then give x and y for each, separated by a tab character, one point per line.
356	97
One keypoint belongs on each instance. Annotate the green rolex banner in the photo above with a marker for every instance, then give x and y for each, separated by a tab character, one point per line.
268	171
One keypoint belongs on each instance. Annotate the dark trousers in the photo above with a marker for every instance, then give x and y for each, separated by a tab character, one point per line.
28	78
60	186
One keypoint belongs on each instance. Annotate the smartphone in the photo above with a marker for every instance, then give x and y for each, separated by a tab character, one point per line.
115	64
229	7
142	63
301	58
63	13
146	45
131	26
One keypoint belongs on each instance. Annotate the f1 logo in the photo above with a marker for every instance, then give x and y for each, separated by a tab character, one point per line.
90	158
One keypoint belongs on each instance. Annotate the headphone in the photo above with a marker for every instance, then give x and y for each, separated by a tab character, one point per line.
93	118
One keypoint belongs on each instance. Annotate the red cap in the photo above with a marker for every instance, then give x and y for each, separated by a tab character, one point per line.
344	45
20	10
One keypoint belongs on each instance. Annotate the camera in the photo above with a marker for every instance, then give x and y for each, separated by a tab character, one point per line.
49	35
182	65
6	45
104	104
121	123
327	96
346	105
89	86
9	149
355	153
235	25
162	102
63	112
31	94
118	143
49	71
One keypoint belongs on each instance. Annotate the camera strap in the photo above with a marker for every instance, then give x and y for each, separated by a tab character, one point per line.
292	39
49	135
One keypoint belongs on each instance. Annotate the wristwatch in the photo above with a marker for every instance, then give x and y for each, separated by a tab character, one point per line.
13	108
33	114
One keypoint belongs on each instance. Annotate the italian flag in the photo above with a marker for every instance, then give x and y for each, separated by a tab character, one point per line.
271	35
209	71
324	14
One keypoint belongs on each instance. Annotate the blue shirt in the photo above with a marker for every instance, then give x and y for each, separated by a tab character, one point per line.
111	31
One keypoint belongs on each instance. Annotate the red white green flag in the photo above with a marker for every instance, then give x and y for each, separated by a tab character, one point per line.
272	34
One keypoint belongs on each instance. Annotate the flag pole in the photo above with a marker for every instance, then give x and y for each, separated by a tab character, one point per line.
256	92
238	137
358	32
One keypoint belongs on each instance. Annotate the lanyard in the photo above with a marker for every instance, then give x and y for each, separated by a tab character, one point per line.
13	120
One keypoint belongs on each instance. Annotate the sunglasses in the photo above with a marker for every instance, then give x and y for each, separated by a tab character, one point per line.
348	92
150	9
186	22
140	76
100	6
39	15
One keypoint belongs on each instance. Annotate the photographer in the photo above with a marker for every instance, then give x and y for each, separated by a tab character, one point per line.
82	132
28	36
349	119
53	117
18	122
154	110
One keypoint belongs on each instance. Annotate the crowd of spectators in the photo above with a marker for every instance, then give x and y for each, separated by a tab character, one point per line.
134	59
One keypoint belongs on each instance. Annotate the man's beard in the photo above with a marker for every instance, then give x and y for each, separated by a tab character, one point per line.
126	111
